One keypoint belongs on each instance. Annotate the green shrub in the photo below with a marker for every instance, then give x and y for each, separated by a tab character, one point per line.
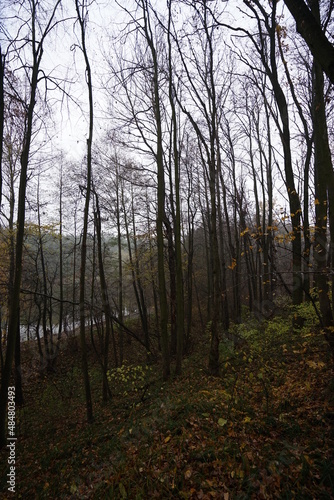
307	311
129	378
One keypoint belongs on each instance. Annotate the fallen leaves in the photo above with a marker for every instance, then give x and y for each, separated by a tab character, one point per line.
259	431
222	422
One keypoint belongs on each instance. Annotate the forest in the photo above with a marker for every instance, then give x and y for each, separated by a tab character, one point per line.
167	242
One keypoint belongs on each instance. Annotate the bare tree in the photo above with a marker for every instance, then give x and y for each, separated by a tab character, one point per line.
82	13
39	29
200	81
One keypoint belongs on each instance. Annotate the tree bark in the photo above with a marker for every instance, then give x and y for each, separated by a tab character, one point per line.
310	29
81	14
323	173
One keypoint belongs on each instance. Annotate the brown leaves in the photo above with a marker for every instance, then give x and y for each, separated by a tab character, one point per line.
260	431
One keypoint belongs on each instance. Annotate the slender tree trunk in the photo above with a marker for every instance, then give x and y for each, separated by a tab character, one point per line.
61	263
205	210
74	275
172	284
161	197
294	201
2	114
13	323
135	272
309	145
153	276
105	302
19	399
140	285
213	166
177	221
46	332
267	48
120	268
189	278
81	14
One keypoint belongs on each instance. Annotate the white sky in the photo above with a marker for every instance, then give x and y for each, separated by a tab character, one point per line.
62	60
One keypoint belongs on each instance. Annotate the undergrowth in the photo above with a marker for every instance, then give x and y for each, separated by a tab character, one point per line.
262	430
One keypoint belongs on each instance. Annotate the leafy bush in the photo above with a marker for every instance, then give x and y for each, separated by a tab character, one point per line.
278	327
129	378
307	311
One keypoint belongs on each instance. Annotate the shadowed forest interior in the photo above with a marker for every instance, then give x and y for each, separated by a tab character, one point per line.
167	248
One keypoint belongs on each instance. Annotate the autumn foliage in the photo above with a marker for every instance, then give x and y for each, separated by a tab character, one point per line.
263	429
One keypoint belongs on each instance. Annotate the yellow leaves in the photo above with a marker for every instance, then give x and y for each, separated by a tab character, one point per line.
308	459
233	264
222	422
239	473
286	238
167	439
32	229
205	392
188	474
128	378
317	202
307	386
315	365
73	488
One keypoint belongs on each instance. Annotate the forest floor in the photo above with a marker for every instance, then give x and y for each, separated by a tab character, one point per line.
263	429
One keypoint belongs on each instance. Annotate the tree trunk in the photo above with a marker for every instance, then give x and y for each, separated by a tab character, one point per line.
308	26
19	399
61	263
177	220
106	394
323	171
89	406
161	197
120	268
2	114
13	323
